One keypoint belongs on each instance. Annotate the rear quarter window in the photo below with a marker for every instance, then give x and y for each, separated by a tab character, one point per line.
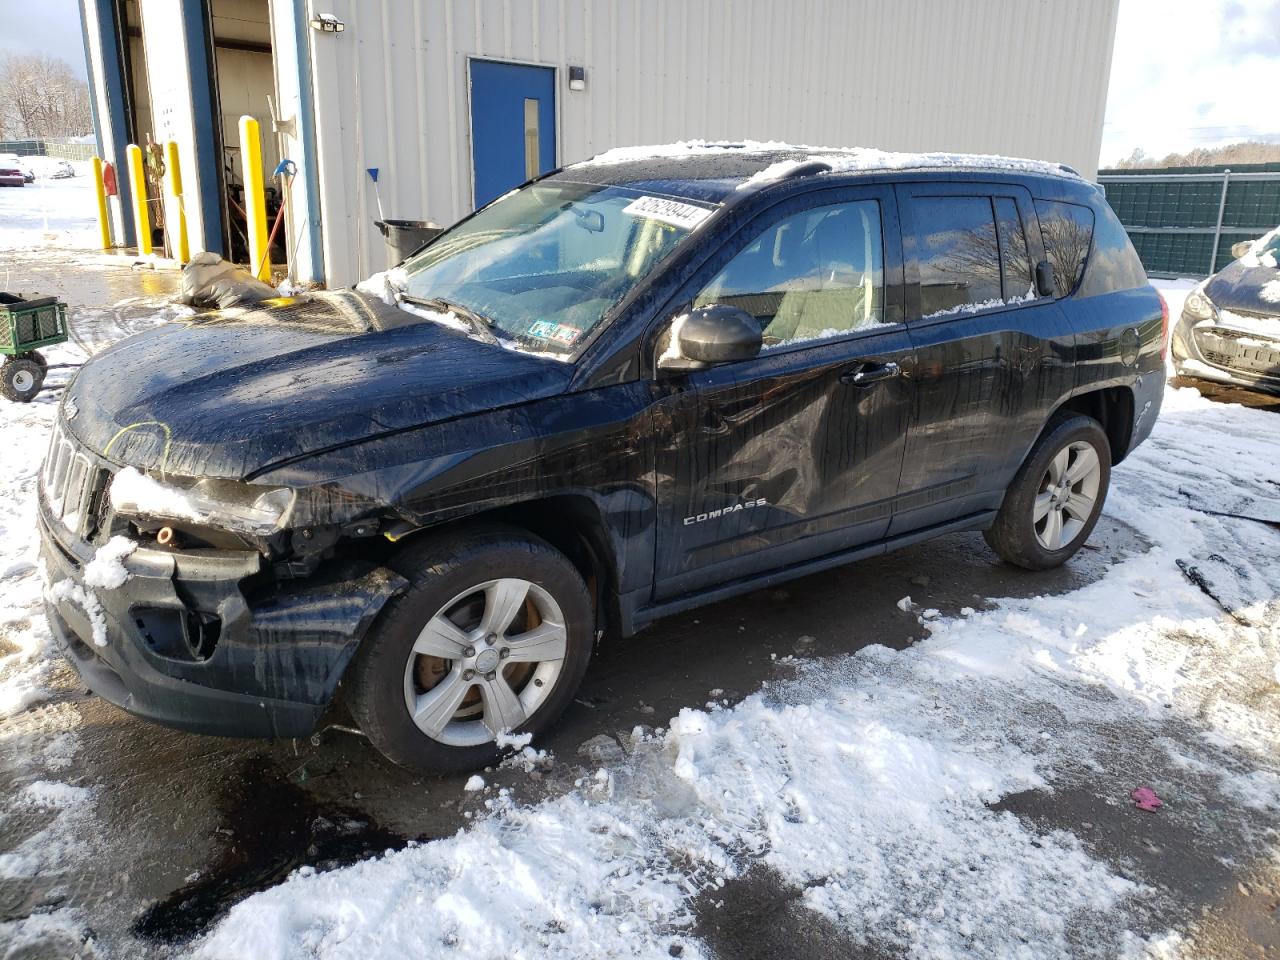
1067	231
1113	263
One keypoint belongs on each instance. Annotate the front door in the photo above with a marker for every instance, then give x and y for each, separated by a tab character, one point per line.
513	126
795	453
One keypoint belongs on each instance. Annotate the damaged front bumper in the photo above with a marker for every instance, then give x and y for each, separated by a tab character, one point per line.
196	640
1236	353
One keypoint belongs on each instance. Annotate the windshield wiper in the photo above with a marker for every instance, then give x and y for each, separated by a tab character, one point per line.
479	324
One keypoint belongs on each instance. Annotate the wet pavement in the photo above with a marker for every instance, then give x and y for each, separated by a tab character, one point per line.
108	296
185	826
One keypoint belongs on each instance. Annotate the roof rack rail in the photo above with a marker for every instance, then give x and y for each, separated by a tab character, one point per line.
808	169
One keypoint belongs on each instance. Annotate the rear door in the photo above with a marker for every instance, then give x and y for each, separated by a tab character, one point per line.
993	358
795	453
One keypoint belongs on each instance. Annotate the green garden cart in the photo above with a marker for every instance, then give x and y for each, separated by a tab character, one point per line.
26	324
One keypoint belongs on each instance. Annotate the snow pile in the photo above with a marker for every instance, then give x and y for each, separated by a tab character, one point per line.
133	491
872	783
68	591
106	571
386	285
1270	291
840	159
1259	255
564	878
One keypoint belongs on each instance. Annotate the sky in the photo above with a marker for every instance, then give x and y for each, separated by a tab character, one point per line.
1193	73
1186	73
44	26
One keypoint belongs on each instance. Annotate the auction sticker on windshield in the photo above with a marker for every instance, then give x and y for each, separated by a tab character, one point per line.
667	211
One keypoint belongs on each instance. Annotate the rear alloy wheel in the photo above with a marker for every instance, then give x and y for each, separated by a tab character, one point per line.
1056	497
492	637
1067	496
21	379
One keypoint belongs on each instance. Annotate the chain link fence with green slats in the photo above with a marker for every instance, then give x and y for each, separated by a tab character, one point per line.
1184	220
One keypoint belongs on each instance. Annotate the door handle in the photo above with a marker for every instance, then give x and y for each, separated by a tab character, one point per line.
870	372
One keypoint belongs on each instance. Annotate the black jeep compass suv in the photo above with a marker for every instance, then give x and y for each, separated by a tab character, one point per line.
633	386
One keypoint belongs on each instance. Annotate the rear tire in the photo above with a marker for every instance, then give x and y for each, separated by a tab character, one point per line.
493	635
21	379
1056	497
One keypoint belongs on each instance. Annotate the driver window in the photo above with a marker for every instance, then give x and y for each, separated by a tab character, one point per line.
814	275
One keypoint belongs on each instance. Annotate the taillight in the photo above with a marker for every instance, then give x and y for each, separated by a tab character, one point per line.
1164	325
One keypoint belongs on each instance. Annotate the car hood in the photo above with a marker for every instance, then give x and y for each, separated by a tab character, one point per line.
1239	288
228	394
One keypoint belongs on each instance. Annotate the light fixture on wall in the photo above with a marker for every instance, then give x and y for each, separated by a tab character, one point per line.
327	23
577	78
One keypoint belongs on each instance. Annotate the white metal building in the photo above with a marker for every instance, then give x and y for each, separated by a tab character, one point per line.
453	101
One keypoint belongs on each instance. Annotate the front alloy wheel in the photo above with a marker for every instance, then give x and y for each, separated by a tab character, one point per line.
485	662
492	637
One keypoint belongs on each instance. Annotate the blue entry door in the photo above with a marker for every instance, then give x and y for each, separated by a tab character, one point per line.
513	125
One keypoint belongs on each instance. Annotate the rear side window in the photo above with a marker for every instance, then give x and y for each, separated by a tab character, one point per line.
1067	229
1113	263
1019	281
957	253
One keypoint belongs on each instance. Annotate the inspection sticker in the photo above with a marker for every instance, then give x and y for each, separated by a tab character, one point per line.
667	211
560	332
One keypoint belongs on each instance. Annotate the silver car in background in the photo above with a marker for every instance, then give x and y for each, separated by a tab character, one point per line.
1229	330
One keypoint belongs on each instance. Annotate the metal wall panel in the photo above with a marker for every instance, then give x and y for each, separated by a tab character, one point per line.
1021	77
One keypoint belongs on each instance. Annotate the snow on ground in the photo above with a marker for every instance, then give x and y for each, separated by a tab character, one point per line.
869	781
46	819
49	212
1175	294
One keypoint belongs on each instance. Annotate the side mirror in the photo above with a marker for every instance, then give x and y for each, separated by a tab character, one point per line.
1238	250
1044	279
716	333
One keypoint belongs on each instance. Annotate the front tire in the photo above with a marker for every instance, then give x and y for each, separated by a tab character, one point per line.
1056	497
492	637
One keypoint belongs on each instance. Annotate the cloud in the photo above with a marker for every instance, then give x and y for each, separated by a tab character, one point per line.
1192	73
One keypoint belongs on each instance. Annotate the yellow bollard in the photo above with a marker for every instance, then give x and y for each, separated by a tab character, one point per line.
173	180
138	184
104	218
255	203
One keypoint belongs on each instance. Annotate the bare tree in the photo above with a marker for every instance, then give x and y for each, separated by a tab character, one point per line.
1249	151
41	96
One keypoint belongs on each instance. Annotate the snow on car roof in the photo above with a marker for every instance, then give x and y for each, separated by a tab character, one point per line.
786	157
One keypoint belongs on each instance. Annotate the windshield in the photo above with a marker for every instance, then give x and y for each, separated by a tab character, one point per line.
543	265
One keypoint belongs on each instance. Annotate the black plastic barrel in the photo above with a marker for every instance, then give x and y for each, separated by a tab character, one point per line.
405	236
